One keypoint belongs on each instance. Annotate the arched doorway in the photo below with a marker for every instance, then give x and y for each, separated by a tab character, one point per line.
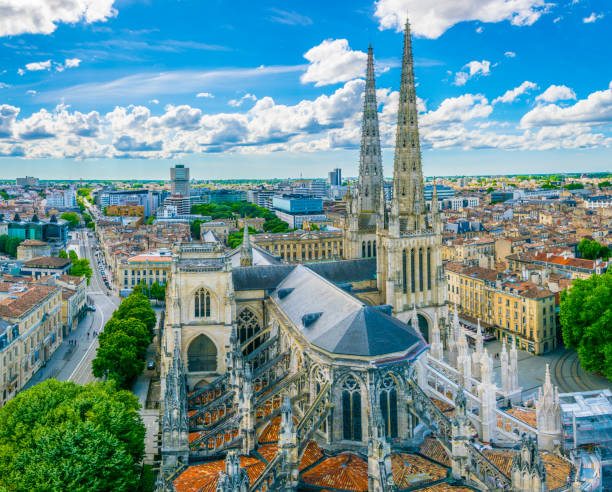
202	355
424	327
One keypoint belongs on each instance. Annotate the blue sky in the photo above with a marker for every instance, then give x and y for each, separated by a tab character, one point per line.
126	88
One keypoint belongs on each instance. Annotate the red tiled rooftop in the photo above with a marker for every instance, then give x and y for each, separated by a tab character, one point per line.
346	472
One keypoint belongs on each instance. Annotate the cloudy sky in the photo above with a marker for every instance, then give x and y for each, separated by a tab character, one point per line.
125	88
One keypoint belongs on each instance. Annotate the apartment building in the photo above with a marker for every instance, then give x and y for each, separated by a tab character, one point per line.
476	250
300	246
565	264
519	311
147	267
30	332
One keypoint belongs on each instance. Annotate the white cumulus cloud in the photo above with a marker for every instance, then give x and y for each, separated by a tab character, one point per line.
333	61
204	95
473	68
432	19
556	93
510	95
36	66
594	110
510	54
43	16
235	103
592	18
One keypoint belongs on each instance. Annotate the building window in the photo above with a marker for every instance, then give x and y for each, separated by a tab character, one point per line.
428	268
421	269
404	274
202	354
388	405
248	326
412	272
202	304
351	409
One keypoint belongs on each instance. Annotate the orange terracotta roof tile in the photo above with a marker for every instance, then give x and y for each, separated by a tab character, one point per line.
445	487
346	472
524	415
203	477
270	433
557	470
410	470
311	455
501	459
433	449
268	451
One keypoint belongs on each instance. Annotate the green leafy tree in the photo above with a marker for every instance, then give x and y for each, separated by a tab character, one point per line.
194	226
118	357
59	436
72	254
3	240
72	218
574	186
235	238
11	245
131	327
605	184
136	305
81	267
158	291
586	317
63	254
593	250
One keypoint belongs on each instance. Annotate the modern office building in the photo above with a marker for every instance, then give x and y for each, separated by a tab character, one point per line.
335	177
27	181
61	199
441	190
179	180
148	199
297	204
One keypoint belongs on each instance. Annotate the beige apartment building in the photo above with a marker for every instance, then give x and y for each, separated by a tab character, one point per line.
520	312
300	246
147	267
477	250
30	332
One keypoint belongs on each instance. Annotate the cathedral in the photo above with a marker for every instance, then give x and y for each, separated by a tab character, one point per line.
331	375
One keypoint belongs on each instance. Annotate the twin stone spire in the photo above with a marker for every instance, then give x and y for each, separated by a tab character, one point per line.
408	201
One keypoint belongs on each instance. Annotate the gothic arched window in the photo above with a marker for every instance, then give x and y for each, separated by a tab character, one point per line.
202	304
363	249
412	273
421	269
369	249
248	326
428	268
351	409
202	355
404	270
388	405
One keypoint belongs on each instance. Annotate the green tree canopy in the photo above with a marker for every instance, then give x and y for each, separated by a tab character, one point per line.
59	436
72	218
136	305
81	267
131	327
586	318
118	357
63	254
593	250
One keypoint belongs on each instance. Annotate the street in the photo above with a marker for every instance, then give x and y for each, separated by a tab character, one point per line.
72	362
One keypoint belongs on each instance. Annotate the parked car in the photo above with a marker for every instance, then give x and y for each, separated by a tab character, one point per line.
91	307
151	365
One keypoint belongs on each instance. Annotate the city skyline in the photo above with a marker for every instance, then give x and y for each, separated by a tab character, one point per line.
111	94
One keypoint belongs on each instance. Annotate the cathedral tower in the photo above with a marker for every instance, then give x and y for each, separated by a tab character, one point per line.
364	203
409	262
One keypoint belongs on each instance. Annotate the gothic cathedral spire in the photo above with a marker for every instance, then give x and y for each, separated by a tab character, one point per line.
408	195
370	160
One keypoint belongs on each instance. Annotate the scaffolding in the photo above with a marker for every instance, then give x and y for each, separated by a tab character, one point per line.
586	420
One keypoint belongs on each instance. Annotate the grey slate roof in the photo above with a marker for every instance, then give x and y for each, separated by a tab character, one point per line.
343	271
263	277
346	325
